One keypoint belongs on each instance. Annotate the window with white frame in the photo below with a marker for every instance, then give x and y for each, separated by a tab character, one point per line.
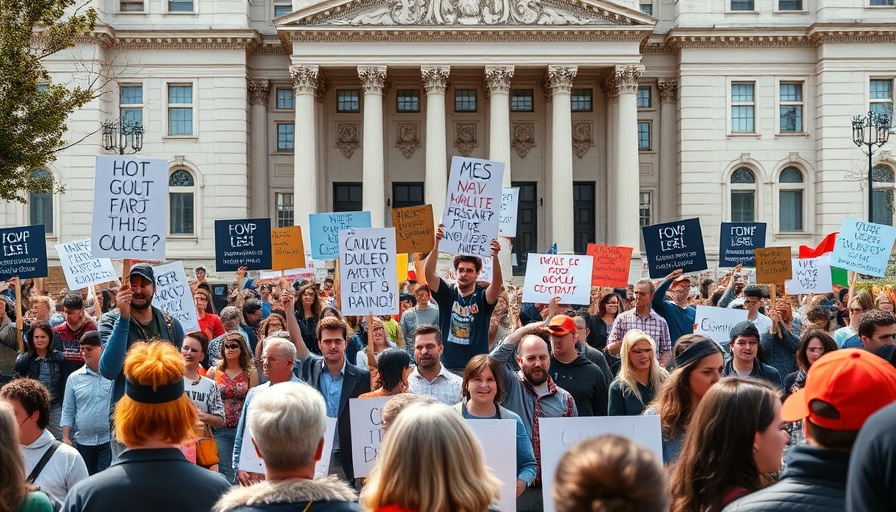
646	7
790	5
743	5
645	99
180	5
790	107
130	104
285	209
180	109
181	203
743	107
40	205
881	96
286	98
645	208
882	195
791	191
286	137
743	195
644	136
131	6
282	8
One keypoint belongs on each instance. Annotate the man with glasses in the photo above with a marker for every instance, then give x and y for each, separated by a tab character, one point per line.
421	314
644	318
745	350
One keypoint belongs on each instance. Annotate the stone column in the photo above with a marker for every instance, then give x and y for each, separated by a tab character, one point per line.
668	147
305	181
608	86
559	81
259	150
625	168
373	167
497	79
435	81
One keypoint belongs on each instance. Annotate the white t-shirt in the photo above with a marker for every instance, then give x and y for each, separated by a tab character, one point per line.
64	469
205	395
763	323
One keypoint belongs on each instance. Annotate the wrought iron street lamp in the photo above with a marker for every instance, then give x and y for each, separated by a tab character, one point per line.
869	131
122	135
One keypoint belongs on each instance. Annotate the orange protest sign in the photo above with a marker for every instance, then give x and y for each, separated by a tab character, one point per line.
773	265
414	228
288	249
611	265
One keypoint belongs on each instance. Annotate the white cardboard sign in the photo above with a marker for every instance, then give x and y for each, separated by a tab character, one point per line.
510	200
368	272
367	432
250	461
472	209
173	295
812	275
487	268
716	323
567	276
498	440
81	269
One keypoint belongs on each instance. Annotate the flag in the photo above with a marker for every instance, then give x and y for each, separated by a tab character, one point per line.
838	275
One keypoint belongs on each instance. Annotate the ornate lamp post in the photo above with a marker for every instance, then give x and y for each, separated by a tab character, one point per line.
122	135
869	131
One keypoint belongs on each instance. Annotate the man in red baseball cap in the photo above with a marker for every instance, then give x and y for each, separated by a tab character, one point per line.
573	372
843	388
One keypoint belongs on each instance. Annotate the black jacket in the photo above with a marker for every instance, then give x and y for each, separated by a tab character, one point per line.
328	495
586	383
873	471
26	367
815	480
760	371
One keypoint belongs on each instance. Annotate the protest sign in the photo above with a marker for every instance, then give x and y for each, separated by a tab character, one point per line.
510	200
367	432
24	252
242	242
716	323
287	248
488	266
773	265
564	432
401	268
414	228
324	231
367	272
173	295
250	461
611	265
498	440
811	275
674	245
130	205
558	275
737	240
863	247
473	205
81	268
290	273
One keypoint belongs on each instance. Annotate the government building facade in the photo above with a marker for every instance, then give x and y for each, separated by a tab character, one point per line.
609	115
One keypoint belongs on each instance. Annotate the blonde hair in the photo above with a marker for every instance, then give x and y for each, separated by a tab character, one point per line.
13	488
430	440
627	374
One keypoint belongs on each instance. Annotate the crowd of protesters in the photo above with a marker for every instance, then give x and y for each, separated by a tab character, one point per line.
109	404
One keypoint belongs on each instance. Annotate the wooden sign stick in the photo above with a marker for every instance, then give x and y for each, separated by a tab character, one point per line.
773	293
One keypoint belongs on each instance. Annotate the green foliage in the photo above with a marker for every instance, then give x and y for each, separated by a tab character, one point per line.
33	111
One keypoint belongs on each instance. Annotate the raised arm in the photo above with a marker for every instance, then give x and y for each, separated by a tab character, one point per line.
429	267
287	302
494	289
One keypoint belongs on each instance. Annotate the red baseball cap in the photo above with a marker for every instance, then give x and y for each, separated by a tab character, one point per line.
561	325
855	382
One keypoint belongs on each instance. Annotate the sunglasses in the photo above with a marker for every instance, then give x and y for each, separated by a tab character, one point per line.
231	347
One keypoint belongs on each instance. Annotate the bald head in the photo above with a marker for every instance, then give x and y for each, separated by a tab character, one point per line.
534	359
532	344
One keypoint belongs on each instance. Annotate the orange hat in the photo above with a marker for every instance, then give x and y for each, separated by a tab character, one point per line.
855	382
561	325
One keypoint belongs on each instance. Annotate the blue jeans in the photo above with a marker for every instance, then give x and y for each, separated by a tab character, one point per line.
224	437
97	458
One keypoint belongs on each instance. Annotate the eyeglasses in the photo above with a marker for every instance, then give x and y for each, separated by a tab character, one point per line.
751	302
231	347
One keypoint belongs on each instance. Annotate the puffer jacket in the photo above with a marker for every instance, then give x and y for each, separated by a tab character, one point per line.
328	495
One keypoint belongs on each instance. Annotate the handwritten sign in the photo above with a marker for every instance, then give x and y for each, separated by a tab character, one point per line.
863	247
510	201
565	432
716	323
811	275
471	217
367	432
130	205
287	248
558	275
674	245
611	265
488	268
737	240
250	461
81	269
773	265
173	295
498	440
324	231
367	271
414	228
24	252
242	242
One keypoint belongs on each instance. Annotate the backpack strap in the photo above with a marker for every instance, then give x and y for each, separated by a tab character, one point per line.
43	462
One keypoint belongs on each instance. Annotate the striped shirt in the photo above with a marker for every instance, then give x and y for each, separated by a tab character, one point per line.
652	324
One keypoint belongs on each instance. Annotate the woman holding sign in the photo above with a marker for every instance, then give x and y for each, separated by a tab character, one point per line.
640	377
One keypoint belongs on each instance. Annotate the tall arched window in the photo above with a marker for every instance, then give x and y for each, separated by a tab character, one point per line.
791	187
40	206
882	197
181	192
743	195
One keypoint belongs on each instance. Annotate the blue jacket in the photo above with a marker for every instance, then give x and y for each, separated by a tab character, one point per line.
681	321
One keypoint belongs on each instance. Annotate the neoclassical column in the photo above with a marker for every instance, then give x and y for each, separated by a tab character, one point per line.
668	147
611	92
435	81
626	169
305	80
497	80
559	81
258	167
373	197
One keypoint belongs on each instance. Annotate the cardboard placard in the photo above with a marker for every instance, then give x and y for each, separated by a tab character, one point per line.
773	265
565	432
324	231
811	275
558	275
473	205
611	265
367	432
287	248
674	245
737	240
367	271
174	296
863	247
81	268
130	205
24	252
242	242
250	461
498	440
716	323
414	228
488	267
510	201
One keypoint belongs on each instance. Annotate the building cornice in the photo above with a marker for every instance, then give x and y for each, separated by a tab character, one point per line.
108	37
458	34
745	37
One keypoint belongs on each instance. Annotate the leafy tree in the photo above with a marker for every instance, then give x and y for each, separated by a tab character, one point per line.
33	110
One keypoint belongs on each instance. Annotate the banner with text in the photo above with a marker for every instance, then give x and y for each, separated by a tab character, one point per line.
24	252
81	269
612	264
863	247
567	276
773	265
737	240
811	275
510	201
498	440
287	248
716	323
240	242
674	245
174	296
324	231
130	203
473	206
414	228
367	432
367	271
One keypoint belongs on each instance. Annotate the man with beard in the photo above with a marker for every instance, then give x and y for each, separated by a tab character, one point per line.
430	377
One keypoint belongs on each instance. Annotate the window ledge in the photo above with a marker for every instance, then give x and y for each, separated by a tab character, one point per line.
744	135
182	238
792	134
181	137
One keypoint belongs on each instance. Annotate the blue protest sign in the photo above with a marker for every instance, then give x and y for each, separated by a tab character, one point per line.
674	245
863	247
24	252
737	240
243	242
324	231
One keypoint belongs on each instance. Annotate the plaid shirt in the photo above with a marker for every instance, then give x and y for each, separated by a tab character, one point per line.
556	396
652	324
